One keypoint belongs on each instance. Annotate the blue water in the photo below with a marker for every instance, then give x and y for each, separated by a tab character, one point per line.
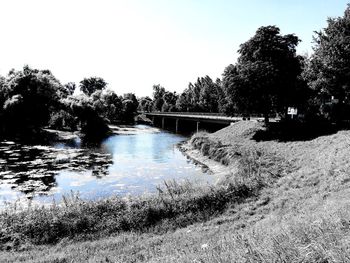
141	160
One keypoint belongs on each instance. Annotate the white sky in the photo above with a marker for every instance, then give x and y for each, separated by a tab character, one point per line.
137	43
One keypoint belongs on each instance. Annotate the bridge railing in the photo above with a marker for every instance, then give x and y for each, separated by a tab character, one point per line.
187	113
210	114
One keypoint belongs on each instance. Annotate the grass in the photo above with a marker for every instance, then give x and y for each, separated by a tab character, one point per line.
287	202
319	237
175	206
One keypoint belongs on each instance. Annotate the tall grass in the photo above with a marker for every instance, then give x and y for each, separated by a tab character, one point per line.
175	206
321	236
253	163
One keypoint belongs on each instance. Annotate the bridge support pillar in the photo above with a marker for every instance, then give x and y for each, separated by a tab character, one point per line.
197	126
163	122
177	126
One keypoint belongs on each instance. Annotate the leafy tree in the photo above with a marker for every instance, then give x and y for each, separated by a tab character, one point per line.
113	105
145	104
128	113
204	95
31	96
158	93
93	126
63	120
189	100
3	94
90	85
328	70
265	79
169	99
209	95
183	102
132	97
70	87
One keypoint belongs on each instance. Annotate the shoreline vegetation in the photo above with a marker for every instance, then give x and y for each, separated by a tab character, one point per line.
281	202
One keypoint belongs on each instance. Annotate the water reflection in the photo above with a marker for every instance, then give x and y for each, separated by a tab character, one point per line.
32	170
133	162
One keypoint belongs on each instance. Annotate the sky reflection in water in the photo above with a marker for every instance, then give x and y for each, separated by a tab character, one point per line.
140	162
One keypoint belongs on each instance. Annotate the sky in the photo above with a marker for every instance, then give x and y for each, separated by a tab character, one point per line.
134	44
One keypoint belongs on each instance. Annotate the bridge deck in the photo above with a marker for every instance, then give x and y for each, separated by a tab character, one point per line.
201	117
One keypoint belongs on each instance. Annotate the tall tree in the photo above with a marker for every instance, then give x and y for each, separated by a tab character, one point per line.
329	68
145	104
169	99
209	94
265	79
90	85
158	93
31	95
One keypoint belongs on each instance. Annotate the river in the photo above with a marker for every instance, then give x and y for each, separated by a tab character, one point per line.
133	162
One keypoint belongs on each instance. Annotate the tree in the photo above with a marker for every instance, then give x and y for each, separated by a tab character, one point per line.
113	105
3	94
209	95
70	88
265	78
204	95
183	101
328	71
90	85
128	113
169	99
31	96
93	126
145	104
158	93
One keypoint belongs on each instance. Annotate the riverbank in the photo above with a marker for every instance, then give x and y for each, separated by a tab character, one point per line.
281	202
218	170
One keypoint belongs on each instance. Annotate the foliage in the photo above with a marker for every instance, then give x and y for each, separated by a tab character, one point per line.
169	99
145	104
63	120
31	95
90	85
31	99
158	101
328	71
266	76
128	113
70	88
204	95
113	106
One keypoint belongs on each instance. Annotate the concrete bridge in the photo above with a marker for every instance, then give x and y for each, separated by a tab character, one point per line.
197	117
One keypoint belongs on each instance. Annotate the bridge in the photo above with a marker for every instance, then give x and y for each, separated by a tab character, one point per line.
197	117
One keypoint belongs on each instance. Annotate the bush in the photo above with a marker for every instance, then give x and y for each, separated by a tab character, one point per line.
63	120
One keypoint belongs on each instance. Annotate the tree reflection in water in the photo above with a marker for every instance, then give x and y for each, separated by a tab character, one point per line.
32	169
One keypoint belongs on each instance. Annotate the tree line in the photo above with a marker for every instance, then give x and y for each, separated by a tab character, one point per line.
31	99
269	76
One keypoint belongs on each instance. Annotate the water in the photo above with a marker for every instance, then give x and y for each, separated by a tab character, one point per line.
133	162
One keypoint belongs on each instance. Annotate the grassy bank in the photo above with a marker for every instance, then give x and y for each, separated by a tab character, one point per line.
286	202
175	206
